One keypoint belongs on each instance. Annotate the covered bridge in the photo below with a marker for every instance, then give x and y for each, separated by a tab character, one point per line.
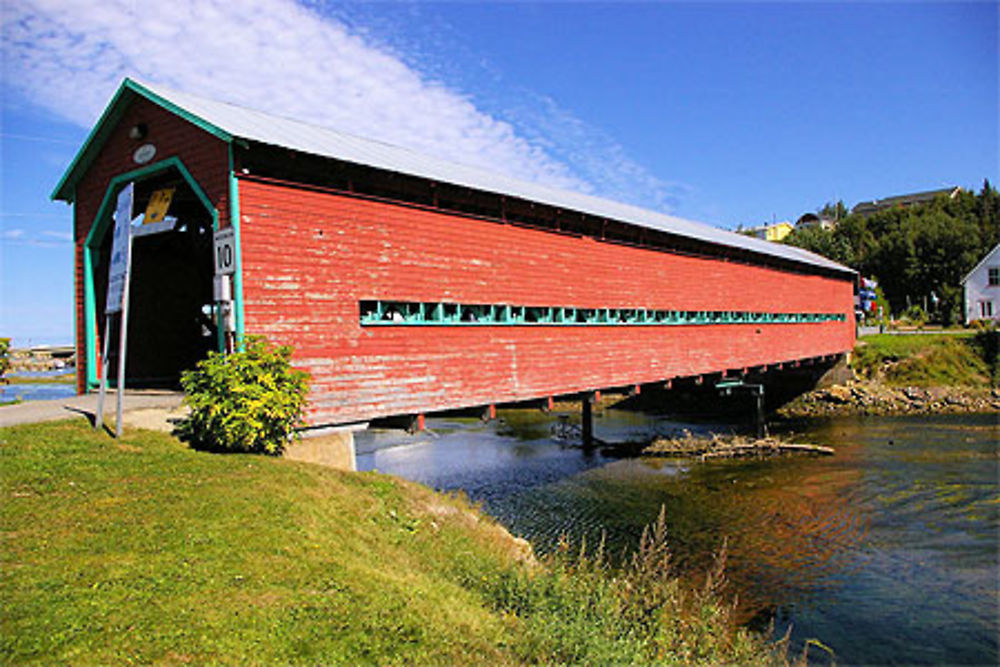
408	284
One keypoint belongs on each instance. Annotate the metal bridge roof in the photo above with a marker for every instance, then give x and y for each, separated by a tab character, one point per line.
229	121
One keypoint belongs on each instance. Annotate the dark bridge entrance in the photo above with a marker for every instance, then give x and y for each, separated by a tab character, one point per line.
170	324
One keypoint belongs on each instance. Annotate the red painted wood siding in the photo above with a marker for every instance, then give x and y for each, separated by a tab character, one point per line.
309	257
205	156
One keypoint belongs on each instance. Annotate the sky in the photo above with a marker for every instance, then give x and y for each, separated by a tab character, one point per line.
726	113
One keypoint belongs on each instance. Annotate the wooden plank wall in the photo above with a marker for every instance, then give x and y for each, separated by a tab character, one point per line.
310	256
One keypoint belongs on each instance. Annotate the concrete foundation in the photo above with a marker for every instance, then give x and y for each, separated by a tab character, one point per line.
839	373
332	448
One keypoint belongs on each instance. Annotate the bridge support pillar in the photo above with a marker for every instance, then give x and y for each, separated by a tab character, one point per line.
587	421
758	397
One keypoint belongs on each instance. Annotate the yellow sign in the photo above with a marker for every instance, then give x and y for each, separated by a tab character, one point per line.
159	202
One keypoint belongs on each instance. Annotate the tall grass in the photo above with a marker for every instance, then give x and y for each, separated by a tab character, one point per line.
580	608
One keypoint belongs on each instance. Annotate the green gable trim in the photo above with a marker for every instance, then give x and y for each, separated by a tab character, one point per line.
92	246
64	190
127	91
198	121
234	221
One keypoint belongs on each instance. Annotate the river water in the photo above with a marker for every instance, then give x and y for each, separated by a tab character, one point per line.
16	388
886	552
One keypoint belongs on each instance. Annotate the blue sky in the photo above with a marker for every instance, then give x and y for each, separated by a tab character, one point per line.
724	113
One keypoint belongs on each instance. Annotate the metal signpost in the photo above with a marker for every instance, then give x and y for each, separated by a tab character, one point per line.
117	302
225	266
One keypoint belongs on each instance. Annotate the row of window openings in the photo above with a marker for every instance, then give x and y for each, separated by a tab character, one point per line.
406	312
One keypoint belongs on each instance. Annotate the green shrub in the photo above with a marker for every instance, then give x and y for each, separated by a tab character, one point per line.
248	401
4	357
915	316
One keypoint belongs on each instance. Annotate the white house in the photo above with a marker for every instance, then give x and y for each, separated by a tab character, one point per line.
982	289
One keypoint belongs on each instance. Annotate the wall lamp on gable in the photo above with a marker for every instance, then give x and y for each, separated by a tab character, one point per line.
138	131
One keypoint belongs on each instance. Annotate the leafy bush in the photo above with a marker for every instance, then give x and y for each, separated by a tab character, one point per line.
4	357
915	316
248	401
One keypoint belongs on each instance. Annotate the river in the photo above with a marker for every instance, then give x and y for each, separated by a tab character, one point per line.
886	552
37	386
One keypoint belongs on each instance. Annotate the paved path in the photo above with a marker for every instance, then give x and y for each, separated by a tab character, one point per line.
142	408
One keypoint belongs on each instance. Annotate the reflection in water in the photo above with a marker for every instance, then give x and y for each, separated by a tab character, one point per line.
35	391
887	551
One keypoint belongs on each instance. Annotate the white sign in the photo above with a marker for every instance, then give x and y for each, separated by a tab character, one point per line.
121	249
225	251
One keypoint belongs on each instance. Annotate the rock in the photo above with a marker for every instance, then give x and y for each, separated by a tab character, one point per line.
838	394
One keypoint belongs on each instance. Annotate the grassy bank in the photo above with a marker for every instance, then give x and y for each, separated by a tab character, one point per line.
142	550
914	373
926	360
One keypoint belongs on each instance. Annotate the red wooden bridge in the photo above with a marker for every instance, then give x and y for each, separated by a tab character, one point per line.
409	285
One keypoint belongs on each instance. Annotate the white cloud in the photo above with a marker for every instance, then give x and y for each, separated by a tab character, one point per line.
70	55
35	237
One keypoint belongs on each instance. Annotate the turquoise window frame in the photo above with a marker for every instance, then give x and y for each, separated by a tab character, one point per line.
379	313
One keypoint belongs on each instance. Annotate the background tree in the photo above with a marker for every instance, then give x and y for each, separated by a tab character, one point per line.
918	254
833	211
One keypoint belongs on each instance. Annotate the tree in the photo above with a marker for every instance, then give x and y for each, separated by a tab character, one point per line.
916	253
832	211
988	211
822	242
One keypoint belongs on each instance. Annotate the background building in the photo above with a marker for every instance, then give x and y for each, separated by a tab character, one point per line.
982	289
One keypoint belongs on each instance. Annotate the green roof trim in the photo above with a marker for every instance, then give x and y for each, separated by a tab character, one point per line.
126	93
183	113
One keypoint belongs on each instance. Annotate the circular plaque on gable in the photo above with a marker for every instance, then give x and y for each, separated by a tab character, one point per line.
144	153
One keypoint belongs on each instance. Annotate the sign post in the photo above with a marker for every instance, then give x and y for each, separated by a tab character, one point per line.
225	267
117	302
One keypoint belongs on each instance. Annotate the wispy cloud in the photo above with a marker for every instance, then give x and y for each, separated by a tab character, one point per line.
274	55
38	238
279	56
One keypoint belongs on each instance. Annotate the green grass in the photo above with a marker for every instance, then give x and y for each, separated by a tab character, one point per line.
65	378
142	550
923	360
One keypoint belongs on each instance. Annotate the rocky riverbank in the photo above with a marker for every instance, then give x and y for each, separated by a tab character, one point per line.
859	397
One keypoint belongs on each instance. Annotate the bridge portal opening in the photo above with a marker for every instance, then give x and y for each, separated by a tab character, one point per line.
170	321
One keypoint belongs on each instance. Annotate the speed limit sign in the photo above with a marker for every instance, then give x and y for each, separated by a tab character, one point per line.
225	251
